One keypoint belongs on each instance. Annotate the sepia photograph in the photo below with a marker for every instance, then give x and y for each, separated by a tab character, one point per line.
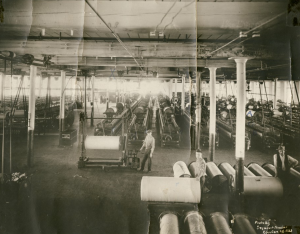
150	116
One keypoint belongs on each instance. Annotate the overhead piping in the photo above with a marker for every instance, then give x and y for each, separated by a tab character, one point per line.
115	35
251	30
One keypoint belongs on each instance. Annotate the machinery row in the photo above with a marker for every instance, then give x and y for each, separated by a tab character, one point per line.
15	114
169	130
265	127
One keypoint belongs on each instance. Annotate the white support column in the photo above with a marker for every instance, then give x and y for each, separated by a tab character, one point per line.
175	91
171	88
2	84
183	93
240	122
40	86
271	89
107	94
212	112
252	88
117	91
73	88
62	101
31	116
283	87
93	89
190	92
123	91
93	100
275	94
198	111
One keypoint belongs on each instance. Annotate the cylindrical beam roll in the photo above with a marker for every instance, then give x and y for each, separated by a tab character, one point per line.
102	142
19	113
258	170
169	223
292	161
169	189
269	168
263	186
295	174
242	225
247	172
218	224
180	170
193	223
193	168
227	169
214	174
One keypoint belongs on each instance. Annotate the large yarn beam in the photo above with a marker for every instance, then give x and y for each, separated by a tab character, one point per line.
169	224
260	186
170	189
102	142
180	170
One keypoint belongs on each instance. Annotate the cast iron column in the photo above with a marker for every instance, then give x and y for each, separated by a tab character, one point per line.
62	102
240	122
31	116
212	113
275	93
175	91
198	111
2	76
93	100
183	93
107	94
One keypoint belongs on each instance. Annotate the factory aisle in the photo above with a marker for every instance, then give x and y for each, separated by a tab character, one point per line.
61	198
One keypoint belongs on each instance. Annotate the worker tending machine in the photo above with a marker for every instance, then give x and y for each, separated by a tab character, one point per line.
140	122
168	128
115	116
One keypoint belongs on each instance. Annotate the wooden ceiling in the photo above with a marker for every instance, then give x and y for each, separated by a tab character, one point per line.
76	38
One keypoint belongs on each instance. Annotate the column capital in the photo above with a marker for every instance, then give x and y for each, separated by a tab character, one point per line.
240	59
211	68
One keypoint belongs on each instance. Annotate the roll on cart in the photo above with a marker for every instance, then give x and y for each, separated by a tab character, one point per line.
169	199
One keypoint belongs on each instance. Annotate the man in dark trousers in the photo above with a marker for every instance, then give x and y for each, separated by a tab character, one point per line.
149	145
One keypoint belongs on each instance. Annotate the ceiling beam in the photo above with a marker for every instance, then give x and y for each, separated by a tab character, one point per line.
128	39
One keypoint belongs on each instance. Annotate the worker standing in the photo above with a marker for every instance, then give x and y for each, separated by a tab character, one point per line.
200	172
282	168
201	168
149	145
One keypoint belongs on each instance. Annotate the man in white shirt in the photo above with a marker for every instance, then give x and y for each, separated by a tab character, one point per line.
149	145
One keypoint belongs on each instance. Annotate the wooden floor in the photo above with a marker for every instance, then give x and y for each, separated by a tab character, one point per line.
60	198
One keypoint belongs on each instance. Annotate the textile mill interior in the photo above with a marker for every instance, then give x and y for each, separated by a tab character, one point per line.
149	117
